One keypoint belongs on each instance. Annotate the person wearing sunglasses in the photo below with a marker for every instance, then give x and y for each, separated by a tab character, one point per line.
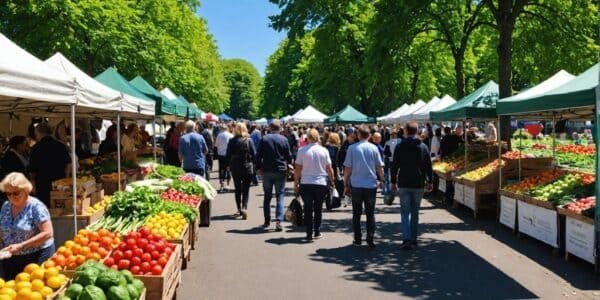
25	226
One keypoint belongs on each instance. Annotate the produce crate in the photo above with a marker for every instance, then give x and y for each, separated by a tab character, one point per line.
63	225
539	220
468	193
60	291
443	175
86	188
536	202
111	186
580	239
194	228
164	287
507	214
186	245
98	194
65	201
529	166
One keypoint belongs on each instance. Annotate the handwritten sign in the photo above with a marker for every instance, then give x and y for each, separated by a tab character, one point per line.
469	197
580	239
508	211
538	222
459	195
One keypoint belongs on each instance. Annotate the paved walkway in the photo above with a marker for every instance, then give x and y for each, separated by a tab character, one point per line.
458	258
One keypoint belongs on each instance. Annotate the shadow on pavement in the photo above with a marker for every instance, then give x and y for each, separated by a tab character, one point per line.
224	218
285	241
435	270
255	230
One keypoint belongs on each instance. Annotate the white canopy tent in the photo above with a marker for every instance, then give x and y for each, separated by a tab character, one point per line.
396	111
168	93
308	115
261	122
423	114
285	119
28	85
405	115
96	99
555	81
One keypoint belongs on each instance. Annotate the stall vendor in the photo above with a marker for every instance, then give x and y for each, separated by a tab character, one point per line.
109	145
50	161
25	226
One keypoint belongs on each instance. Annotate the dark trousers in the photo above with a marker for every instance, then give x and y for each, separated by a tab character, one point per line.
367	197
15	265
449	195
223	173
209	165
313	196
241	182
199	172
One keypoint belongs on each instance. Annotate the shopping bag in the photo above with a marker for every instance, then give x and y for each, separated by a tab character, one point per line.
294	213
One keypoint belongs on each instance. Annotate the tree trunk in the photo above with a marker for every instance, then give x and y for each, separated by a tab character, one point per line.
505	28
413	83
460	75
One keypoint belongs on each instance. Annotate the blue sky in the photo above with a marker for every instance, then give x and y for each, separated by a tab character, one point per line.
241	29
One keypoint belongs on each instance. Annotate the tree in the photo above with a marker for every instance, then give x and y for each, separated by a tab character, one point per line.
244	84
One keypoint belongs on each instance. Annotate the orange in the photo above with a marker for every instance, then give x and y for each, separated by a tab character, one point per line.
82	232
60	260
81	240
8	291
31	267
46	291
67	253
80	259
36	296
23	277
76	249
85	250
49	263
5	297
38	274
96	256
23	285
69	243
93	236
103	232
37	285
61	250
102	252
10	284
24	294
94	246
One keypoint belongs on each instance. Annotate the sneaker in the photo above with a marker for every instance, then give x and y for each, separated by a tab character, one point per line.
266	224
318	235
357	243
308	238
371	244
406	245
278	226
244	214
414	243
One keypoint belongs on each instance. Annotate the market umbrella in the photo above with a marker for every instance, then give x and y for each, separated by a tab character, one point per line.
349	115
225	117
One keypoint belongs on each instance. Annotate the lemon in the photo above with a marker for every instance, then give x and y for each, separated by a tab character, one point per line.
46	291
23	285
24	294
10	284
23	277
38	274
5	297
2	283
51	272
36	296
54	282
37	285
31	267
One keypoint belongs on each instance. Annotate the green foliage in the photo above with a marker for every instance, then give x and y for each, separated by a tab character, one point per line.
245	84
161	40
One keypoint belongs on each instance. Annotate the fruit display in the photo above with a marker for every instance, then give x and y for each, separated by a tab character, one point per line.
512	155
482	172
167	225
532	182
142	253
179	197
87	245
568	187
449	165
583	206
577	149
94	280
35	283
98	206
129	211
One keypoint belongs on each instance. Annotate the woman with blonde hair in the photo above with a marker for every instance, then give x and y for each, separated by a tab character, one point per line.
313	178
25	226
333	144
240	157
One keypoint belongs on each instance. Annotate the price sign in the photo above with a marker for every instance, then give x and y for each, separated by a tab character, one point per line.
459	195
538	222
580	239
508	211
469	197
442	185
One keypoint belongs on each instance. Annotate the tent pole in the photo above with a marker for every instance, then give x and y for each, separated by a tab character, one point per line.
119	151
10	125
74	168
464	125
499	153
554	137
154	137
520	147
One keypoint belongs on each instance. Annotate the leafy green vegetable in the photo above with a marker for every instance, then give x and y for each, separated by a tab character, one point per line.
74	290
118	293
91	292
188	187
133	291
166	171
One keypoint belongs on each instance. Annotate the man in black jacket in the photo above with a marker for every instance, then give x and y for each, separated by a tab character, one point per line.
411	168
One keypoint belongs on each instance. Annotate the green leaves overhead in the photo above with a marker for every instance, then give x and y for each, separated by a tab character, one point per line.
161	40
245	84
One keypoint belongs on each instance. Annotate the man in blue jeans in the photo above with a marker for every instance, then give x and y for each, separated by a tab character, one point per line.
363	166
411	168
272	160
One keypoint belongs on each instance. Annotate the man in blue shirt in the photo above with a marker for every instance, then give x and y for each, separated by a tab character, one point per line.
272	159
363	166
192	150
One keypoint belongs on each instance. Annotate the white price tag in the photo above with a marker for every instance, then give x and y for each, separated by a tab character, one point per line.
580	239
459	194
538	222
469	196
442	185
508	211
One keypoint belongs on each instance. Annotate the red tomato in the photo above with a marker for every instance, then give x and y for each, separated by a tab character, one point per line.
109	261
136	261
122	246
138	252
128	254
145	267
123	264
150	248
117	255
142	243
160	246
151	237
168	251
114	267
155	254
135	270
144	231
153	263
156	270
131	242
146	257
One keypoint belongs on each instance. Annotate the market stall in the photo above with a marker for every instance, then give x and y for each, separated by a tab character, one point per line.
308	115
164	106
422	115
474	181
393	113
349	115
405	116
557	206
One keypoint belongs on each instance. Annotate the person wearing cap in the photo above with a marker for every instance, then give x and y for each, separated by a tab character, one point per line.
272	159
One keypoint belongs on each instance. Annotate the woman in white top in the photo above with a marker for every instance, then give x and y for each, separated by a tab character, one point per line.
313	178
435	144
491	133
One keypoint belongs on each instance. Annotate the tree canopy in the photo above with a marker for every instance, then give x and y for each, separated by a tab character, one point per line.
161	40
245	84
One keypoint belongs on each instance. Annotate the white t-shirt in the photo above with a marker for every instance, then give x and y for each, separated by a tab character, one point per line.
222	141
392	143
435	145
314	160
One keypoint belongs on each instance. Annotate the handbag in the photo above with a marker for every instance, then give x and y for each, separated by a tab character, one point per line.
249	165
294	213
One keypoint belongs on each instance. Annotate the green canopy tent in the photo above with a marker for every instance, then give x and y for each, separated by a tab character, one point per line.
193	111
481	104
574	99
349	115
164	106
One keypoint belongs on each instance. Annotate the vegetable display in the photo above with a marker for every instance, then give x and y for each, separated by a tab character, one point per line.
142	253
35	282
480	173
532	182
167	225
87	245
568	187
94	280
98	206
179	197
584	206
166	171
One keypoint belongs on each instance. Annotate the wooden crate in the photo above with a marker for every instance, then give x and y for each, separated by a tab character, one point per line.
470	192
443	175
66	203
164	287
97	196
194	227
186	245
576	216
536	202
